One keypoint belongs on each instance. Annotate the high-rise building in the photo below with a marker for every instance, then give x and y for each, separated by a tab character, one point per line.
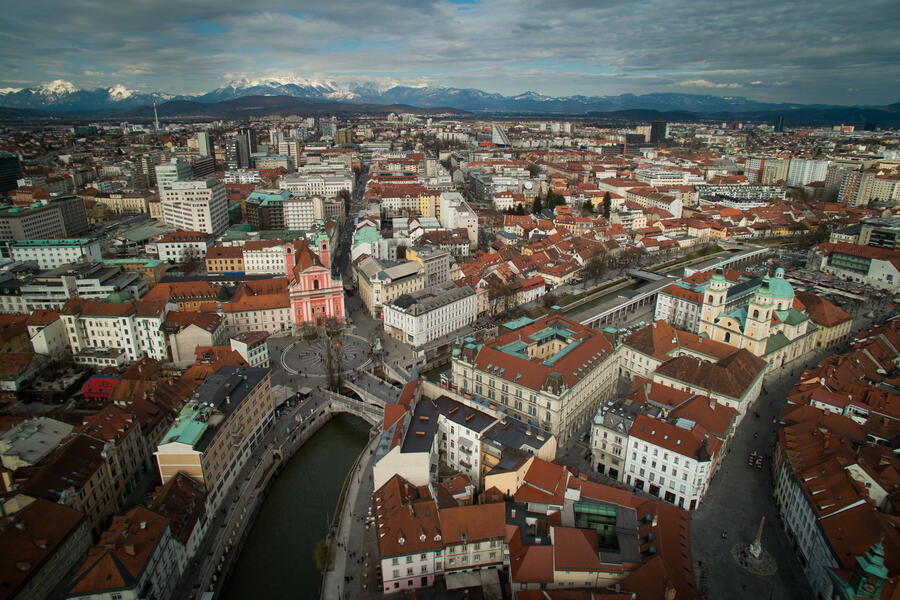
802	171
231	152
204	145
147	164
178	169
658	131
779	124
856	188
203	167
196	206
10	171
246	146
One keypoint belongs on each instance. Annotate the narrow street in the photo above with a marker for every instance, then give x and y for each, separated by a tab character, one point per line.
739	496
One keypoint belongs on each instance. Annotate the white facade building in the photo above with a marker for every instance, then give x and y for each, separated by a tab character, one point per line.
130	327
428	314
318	184
456	213
242	176
673	462
50	254
182	246
264	258
802	171
196	206
300	213
178	169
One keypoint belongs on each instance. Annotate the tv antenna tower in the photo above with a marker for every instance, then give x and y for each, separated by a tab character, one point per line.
155	116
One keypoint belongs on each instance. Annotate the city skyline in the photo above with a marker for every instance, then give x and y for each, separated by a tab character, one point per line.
807	52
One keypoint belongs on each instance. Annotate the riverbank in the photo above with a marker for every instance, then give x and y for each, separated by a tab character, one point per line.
349	531
276	559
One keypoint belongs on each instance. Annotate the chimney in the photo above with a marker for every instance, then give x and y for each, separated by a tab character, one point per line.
712	404
129	549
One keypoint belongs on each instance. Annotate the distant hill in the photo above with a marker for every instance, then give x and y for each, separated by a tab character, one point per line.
61	97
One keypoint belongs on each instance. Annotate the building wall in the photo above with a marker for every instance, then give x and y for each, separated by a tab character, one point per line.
59	565
685	478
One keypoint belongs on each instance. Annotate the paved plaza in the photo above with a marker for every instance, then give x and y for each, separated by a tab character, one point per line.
308	358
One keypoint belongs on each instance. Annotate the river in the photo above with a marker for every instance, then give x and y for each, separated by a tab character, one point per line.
277	560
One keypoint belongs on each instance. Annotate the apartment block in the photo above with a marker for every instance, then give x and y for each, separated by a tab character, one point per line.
551	373
216	431
196	206
49	254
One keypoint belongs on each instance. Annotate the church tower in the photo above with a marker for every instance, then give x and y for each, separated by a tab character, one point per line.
866	580
713	302
759	319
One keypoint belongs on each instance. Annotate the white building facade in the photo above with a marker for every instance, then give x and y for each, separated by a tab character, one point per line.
196	206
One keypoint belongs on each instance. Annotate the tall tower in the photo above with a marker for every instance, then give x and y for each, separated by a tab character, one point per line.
867	578
713	302
759	319
155	116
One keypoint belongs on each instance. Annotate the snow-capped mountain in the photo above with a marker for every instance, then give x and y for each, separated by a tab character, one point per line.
62	96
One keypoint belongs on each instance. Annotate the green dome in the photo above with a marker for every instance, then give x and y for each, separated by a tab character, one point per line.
779	287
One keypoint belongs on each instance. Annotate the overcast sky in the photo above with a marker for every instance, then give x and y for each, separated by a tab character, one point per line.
773	50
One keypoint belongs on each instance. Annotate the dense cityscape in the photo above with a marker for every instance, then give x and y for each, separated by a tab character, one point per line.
379	338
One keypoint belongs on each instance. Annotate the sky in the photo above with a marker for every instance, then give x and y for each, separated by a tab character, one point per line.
769	50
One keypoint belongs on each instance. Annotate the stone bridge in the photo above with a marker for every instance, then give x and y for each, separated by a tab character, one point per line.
372	389
396	373
373	415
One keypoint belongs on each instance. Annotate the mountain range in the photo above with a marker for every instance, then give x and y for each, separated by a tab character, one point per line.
61	98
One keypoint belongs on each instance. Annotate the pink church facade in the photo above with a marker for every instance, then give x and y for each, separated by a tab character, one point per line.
314	294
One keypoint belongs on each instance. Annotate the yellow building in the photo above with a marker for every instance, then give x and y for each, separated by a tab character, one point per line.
834	324
224	259
215	432
430	205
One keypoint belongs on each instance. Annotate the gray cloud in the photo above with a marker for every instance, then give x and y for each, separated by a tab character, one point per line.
802	51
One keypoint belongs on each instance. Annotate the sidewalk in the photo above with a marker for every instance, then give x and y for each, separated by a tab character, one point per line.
350	533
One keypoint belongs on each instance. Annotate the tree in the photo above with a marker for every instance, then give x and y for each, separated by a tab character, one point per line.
520	209
607	205
321	554
587	207
537	206
595	267
533	170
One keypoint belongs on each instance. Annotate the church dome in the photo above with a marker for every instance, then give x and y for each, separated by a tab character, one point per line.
779	287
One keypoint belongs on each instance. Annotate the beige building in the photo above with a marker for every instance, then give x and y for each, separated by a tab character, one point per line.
185	330
473	537
125	446
834	324
551	373
77	475
127	201
380	283
216	431
435	263
224	259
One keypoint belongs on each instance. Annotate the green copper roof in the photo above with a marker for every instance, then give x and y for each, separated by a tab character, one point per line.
781	288
740	315
776	341
791	316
